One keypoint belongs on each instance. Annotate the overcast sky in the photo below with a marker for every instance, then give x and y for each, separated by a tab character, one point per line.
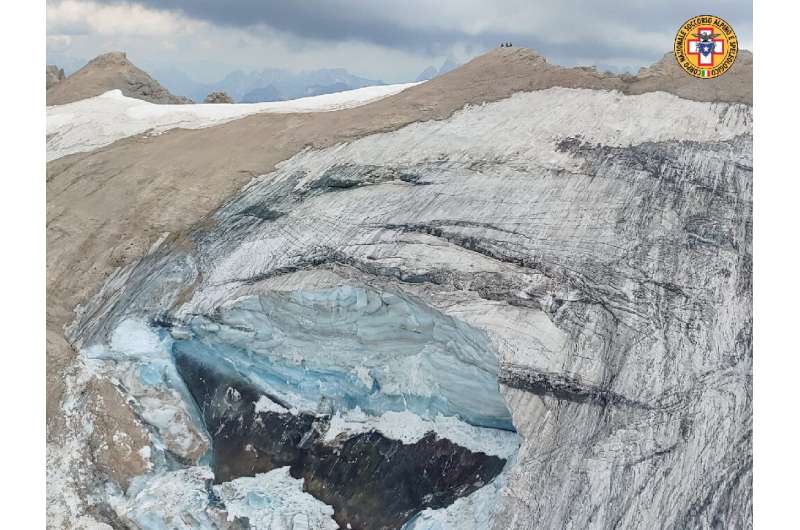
381	39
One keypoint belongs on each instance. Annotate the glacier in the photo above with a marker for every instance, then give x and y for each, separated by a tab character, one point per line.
323	368
354	348
554	287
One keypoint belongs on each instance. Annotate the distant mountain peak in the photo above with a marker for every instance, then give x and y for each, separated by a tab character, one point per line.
448	64
106	72
270	84
430	72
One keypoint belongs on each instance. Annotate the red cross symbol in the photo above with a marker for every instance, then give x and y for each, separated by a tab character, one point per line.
694	48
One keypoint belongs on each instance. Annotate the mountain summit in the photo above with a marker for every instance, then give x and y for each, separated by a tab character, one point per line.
108	72
431	71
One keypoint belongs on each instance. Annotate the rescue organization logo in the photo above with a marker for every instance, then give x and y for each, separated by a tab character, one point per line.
706	46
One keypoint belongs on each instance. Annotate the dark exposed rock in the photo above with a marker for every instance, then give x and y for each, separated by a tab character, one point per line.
373	482
564	388
346	176
262	212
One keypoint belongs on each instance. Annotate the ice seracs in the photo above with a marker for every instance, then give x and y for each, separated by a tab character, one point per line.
306	346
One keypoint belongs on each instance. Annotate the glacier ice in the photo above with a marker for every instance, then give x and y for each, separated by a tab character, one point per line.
355	347
598	246
275	501
370	479
177	500
474	511
186	499
341	352
138	357
410	428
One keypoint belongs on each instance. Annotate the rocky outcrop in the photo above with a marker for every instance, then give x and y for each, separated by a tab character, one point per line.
108	72
667	75
596	246
54	75
218	97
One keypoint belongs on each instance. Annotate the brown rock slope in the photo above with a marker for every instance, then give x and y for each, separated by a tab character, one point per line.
108	72
106	207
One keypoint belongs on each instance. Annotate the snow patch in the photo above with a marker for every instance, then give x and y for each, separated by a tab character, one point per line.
409	428
265	404
144	452
134	337
275	501
94	122
472	512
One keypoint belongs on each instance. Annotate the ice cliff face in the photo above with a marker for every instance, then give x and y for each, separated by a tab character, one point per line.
354	348
534	314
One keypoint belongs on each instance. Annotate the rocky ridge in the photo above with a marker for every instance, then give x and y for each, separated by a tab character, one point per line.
107	72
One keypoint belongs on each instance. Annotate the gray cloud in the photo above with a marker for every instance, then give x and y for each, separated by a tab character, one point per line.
567	29
390	40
